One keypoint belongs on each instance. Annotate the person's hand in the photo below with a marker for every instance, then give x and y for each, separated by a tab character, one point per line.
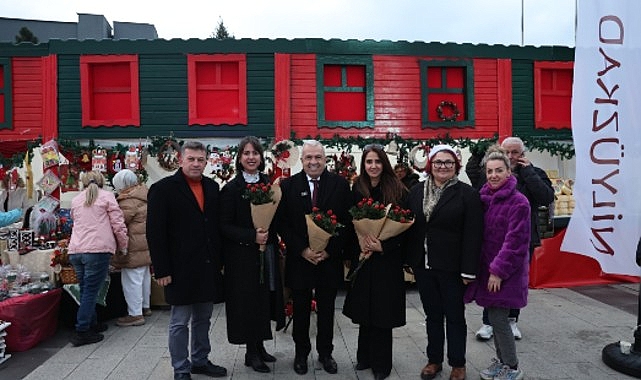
373	244
494	283
164	281
524	161
123	252
467	281
311	256
323	255
261	235
365	255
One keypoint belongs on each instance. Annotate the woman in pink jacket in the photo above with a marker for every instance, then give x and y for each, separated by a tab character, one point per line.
98	232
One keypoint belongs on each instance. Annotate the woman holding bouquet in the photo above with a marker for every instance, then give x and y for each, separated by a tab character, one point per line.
444	244
253	288
376	300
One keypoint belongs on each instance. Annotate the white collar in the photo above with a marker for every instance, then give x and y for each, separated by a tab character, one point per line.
251	178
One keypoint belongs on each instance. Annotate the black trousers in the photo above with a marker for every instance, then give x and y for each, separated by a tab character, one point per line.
302	301
375	348
442	297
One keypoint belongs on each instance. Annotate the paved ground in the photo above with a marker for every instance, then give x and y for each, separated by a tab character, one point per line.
564	331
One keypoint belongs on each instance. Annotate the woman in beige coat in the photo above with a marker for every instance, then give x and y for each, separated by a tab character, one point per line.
135	275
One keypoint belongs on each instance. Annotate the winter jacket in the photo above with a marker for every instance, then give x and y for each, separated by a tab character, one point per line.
505	250
9	217
99	228
133	203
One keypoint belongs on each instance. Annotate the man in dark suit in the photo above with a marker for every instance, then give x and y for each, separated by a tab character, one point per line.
306	270
182	232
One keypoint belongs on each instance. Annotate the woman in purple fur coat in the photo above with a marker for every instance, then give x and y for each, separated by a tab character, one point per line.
502	280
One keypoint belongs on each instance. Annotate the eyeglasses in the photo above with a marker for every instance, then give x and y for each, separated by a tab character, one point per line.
373	146
443	164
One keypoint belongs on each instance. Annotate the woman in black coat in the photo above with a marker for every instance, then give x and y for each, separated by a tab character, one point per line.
443	247
252	298
376	299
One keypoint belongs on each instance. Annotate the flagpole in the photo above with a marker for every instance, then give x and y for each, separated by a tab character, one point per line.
522	22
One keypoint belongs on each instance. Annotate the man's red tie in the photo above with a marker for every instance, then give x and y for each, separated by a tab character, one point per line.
315	192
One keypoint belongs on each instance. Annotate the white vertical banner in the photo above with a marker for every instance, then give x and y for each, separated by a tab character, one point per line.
606	128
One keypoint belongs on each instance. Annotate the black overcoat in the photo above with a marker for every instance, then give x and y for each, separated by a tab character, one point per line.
376	296
249	305
184	241
334	194
453	234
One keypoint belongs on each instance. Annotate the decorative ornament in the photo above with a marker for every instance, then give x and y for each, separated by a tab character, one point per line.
344	165
449	116
84	160
69	178
285	154
99	159
132	157
225	169
49	182
49	154
169	156
115	163
418	157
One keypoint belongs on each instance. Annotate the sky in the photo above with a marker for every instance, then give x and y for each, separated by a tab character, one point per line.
546	22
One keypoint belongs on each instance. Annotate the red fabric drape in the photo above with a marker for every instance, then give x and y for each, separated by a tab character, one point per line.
553	268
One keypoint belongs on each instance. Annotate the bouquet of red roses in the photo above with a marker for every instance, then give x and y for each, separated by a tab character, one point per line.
264	200
397	221
321	226
368	218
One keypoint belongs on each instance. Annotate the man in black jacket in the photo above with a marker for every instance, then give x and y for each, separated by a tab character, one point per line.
305	269
182	232
534	183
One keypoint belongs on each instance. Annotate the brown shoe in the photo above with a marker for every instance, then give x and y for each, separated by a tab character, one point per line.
458	373
131	320
430	371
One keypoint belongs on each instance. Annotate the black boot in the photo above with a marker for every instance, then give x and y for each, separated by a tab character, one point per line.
252	359
262	353
85	337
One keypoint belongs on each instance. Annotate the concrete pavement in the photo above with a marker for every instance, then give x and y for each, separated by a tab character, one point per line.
563	330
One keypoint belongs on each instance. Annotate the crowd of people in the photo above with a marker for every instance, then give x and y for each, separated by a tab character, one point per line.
468	243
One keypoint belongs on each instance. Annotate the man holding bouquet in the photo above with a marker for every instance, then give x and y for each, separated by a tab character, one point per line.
307	270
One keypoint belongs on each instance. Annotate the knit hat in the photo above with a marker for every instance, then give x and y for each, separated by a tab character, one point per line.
124	179
440	148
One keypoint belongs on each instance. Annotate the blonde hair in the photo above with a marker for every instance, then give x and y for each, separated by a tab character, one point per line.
495	152
92	182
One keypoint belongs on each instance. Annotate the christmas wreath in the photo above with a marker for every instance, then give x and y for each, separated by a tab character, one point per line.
453	113
169	155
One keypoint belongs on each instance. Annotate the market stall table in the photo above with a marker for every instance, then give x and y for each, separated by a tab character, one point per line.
33	317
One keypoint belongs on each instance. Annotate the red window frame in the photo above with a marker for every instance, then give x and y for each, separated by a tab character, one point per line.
556	92
109	100
220	79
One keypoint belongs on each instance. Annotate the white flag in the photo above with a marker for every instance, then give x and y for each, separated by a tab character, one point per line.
606	127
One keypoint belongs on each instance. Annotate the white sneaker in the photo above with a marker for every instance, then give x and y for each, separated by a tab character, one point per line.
515	329
485	332
508	373
492	371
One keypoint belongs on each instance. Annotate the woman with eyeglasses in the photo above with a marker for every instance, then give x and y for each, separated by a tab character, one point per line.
443	248
376	299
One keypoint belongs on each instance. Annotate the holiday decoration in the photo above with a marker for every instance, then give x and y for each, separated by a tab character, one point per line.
99	159
447	111
69	178
224	165
49	153
418	157
132	157
285	154
169	155
49	182
115	162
